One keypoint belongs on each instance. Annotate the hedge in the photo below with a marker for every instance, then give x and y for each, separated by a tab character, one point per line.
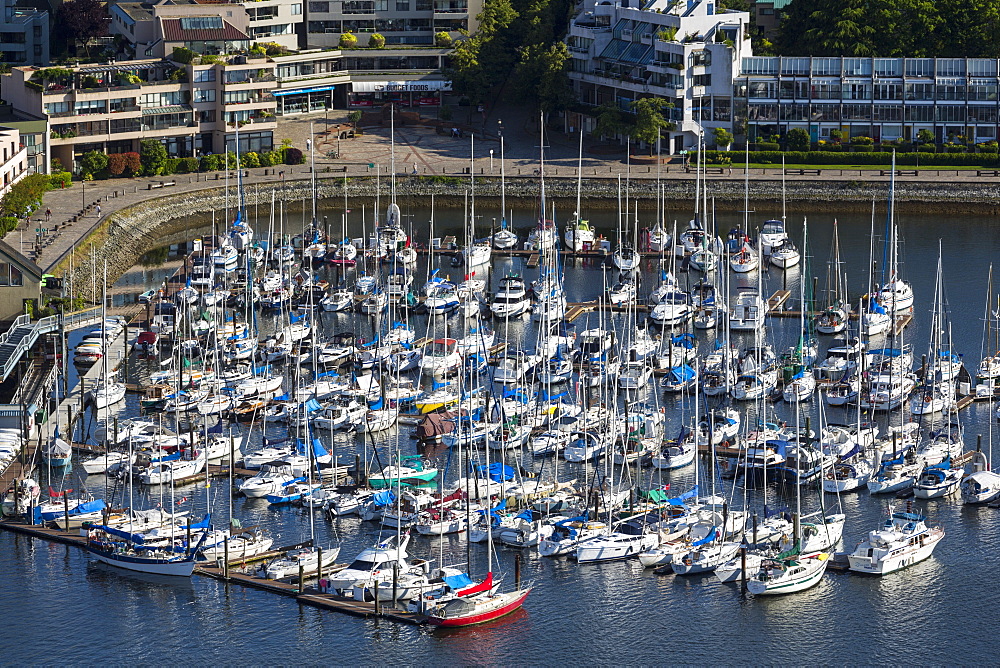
860	158
61	179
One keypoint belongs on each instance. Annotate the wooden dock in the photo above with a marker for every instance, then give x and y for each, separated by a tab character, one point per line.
777	300
288	587
533	260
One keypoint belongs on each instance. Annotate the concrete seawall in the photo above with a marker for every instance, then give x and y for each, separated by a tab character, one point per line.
123	236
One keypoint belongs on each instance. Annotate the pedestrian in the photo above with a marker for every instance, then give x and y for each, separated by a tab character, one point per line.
98	210
281	175
48	215
414	168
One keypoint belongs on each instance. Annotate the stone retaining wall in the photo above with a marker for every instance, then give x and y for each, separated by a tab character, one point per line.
128	233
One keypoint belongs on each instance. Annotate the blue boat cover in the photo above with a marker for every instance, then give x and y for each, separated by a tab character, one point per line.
707	539
679	501
94	506
203	524
497	472
133	537
384	498
457	581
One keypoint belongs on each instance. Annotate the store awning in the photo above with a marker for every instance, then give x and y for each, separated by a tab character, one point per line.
415	86
301	91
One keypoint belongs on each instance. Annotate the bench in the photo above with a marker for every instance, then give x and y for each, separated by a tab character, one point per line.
899	172
802	172
988	172
706	170
337	169
162	184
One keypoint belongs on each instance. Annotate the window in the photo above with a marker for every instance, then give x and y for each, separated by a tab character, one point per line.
702	79
857	91
425	5
825	112
57	107
722	109
981	114
297	9
320	7
826	90
402	5
951	89
762	112
919	67
237	97
920	114
10	275
826	67
763	89
983	90
795	112
38	49
951	114
857	112
89	107
206	116
951	67
119	125
888	112
919	91
204	95
889	67
701	58
857	67
201	23
37	32
204	75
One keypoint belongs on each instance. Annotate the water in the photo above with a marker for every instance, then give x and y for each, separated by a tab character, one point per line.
608	613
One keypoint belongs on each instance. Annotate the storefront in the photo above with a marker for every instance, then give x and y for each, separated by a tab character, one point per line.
304	100
416	93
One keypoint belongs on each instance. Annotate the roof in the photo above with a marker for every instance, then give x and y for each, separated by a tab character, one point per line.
173	32
26	265
135	11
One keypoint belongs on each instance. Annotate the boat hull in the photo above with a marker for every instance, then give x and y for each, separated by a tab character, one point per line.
179	568
507	604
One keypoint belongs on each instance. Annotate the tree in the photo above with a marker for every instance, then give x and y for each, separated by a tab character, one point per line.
93	163
798	140
925	136
649	120
81	21
723	137
541	76
152	156
611	121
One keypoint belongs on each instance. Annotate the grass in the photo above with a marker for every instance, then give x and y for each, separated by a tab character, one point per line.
769	165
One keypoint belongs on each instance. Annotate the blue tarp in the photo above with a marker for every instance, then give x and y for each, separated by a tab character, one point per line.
133	537
376	405
682	373
384	498
781	447
203	524
318	449
707	539
457	581
257	370
312	405
679	501
497	472
94	506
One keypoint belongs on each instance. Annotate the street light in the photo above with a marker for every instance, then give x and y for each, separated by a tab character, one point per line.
491	161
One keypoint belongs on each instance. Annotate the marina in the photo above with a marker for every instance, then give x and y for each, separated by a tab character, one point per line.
561	398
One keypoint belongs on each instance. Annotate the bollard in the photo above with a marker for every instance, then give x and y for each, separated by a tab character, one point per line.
517	571
743	568
376	599
225	555
66	510
302	577
319	562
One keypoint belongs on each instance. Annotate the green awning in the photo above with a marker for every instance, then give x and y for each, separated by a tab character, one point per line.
176	109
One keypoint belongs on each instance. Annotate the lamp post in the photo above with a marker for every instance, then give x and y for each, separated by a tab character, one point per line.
491	161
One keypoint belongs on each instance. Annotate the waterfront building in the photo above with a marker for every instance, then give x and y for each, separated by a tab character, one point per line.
359	79
685	52
14	165
401	22
881	98
20	278
24	35
193	109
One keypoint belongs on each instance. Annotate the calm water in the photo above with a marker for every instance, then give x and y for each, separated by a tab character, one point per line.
610	613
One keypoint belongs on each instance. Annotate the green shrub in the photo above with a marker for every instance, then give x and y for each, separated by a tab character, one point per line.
209	163
182	55
861	148
348	40
798	140
171	166
443	39
862	141
25	196
7	223
190	165
376	41
862	158
153	156
836	135
94	163
60	180
264	158
988	146
767	146
250	160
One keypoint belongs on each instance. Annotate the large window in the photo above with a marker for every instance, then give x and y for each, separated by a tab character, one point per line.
204	95
857	112
763	90
10	275
204	75
795	112
201	23
982	114
826	90
921	114
951	89
919	91
888	91
888	112
983	90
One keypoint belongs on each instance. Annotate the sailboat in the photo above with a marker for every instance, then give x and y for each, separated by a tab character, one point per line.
579	236
504	238
476	253
127	550
895	294
936	392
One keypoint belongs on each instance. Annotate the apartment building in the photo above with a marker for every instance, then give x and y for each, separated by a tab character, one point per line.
24	35
153	30
685	52
409	22
14	153
193	109
881	98
359	79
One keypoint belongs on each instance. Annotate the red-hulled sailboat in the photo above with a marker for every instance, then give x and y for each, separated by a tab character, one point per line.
476	604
